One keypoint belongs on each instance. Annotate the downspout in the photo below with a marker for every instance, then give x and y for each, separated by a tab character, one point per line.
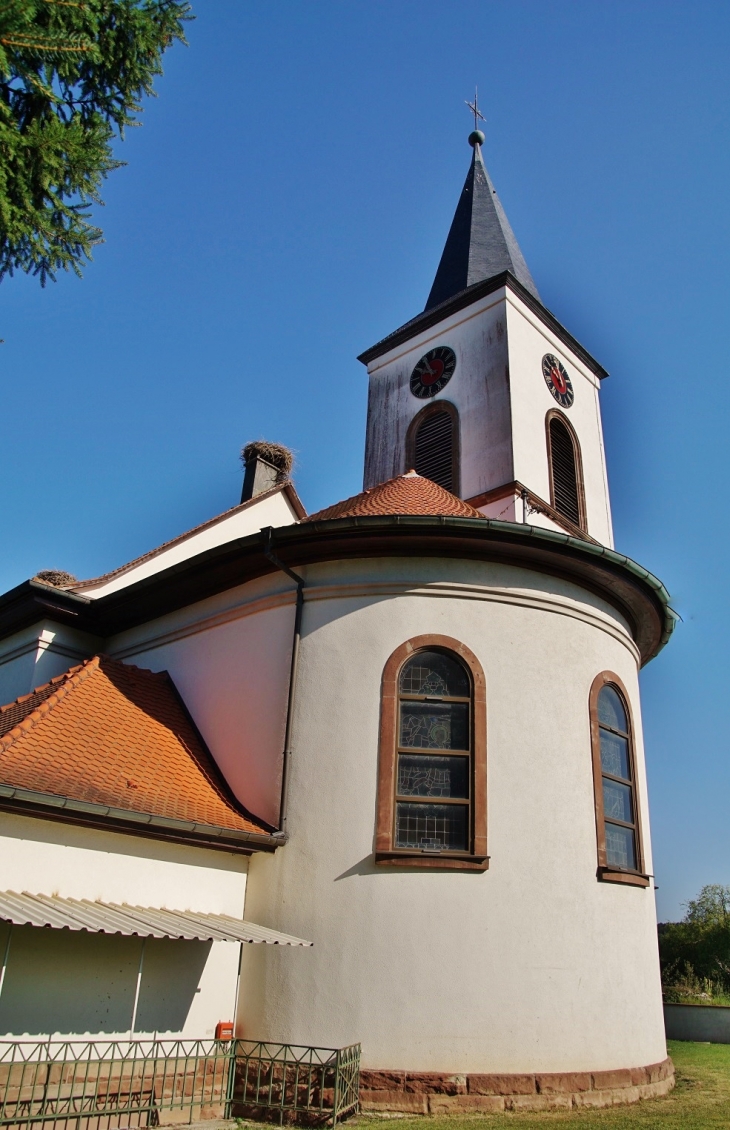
299	581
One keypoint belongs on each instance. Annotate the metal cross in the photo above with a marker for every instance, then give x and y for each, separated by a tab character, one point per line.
474	107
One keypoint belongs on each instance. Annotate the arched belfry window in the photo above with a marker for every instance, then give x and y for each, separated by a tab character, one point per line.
432	768
432	445
614	775
566	472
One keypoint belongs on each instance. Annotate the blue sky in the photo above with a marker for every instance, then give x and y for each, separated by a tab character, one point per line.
284	206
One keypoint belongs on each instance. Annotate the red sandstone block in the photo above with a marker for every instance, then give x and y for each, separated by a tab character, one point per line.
435	1083
613	1096
608	1080
538	1102
639	1076
560	1083
397	1101
501	1084
656	1090
465	1104
382	1080
659	1071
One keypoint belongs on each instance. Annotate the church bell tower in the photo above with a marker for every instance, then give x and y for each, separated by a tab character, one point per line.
485	392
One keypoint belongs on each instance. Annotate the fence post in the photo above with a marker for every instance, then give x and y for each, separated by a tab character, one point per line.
231	1079
336	1089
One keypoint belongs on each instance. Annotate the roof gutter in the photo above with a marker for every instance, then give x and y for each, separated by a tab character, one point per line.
28	802
611	575
268	533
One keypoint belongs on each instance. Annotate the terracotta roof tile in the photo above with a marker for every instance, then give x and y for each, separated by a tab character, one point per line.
407	494
112	734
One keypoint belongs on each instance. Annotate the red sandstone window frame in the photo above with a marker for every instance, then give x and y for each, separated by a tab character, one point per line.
607	872
476	859
556	414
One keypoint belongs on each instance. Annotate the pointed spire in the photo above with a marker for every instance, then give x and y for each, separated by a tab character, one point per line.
480	242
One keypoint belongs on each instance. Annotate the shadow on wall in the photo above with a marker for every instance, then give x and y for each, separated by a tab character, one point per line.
73	983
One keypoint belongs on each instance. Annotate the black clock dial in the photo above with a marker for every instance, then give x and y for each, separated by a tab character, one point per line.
433	372
557	380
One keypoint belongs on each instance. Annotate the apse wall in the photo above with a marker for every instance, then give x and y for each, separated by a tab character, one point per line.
532	965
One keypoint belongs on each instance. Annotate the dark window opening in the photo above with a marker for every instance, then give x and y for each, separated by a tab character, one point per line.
564	471
434	449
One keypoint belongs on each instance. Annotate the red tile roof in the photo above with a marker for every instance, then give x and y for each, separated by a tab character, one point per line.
116	735
407	494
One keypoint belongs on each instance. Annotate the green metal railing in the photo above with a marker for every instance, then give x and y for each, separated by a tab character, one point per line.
295	1084
104	1085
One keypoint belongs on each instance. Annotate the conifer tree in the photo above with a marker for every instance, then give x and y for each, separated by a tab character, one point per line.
72	76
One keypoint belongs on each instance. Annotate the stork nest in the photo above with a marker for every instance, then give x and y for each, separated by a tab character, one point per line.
58	577
274	453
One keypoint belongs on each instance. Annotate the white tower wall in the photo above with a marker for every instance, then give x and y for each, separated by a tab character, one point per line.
502	400
479	390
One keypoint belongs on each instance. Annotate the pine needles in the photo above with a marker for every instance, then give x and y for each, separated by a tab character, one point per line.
72	77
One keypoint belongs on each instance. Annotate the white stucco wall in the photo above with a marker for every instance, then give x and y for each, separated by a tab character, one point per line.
32	657
529	340
229	658
479	389
532	965
72	983
502	400
271	510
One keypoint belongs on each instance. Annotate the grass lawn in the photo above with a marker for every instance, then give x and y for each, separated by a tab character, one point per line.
701	1098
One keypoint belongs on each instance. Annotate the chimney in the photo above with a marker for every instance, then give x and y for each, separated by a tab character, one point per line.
266	465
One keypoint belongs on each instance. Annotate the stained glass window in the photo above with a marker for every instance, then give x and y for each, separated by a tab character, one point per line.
434	755
617	782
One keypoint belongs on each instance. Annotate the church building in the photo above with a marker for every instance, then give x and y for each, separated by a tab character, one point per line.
395	745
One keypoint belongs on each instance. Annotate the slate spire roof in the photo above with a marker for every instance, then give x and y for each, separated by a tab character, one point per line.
480	243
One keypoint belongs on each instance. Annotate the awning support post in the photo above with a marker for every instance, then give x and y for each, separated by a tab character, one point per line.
5	958
137	988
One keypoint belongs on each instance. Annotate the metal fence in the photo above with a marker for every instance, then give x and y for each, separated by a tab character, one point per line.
105	1085
295	1084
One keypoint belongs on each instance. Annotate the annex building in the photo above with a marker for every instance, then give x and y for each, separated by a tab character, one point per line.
372	775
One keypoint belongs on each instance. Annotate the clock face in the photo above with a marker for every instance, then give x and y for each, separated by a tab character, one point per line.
557	380
433	372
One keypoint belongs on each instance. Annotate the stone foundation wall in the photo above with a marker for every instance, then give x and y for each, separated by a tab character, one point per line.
414	1092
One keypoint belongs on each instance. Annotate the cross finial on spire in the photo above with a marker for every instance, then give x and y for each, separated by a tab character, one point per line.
476	137
474	107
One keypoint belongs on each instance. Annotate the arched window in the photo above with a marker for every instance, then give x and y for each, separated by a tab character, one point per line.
432	770
432	445
566	474
614	774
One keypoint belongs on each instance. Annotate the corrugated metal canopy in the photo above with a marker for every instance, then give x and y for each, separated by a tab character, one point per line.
145	921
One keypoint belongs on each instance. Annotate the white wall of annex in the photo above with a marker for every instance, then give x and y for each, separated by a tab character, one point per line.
479	389
76	983
532	965
274	510
229	658
529	341
39	653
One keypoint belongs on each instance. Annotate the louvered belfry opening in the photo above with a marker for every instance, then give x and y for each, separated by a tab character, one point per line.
434	449
566	499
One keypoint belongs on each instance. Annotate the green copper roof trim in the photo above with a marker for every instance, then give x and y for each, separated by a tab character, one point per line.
521	530
632	590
